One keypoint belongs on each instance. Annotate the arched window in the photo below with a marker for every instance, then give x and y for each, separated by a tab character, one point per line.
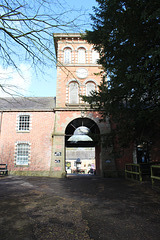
95	56
81	55
73	93
67	55
90	86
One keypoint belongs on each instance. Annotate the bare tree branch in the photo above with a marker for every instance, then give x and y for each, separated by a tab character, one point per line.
27	27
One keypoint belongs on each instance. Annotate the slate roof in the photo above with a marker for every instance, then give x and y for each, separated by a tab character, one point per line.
27	104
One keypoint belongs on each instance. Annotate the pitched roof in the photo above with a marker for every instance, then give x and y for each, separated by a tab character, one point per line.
27	104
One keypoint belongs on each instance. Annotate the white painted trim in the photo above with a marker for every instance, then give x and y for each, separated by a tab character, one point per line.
81	46
90	80
74	80
67	46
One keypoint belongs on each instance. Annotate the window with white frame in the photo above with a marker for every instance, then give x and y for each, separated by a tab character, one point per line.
95	56
81	55
67	55
73	93
22	154
90	86
24	123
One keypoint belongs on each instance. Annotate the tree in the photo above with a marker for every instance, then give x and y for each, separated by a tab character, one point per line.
26	31
127	36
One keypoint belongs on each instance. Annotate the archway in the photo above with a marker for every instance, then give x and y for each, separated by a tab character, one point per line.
82	153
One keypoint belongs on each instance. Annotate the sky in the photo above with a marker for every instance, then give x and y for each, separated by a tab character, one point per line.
41	84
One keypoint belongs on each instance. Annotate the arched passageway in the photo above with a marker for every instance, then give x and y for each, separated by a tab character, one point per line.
82	143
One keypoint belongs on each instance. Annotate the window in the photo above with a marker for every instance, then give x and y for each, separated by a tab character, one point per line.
81	55
95	56
24	123
73	93
90	86
67	55
22	155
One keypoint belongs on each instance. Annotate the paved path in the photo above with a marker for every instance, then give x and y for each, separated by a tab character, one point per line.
77	208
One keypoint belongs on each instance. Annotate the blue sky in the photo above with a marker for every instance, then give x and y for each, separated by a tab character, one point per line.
44	84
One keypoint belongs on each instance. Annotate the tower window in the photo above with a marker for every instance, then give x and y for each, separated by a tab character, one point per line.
95	56
90	86
81	55
73	93
67	55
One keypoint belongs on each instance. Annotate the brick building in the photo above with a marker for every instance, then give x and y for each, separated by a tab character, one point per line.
26	126
52	136
35	132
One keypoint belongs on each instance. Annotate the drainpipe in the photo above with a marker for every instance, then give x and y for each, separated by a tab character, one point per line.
1	121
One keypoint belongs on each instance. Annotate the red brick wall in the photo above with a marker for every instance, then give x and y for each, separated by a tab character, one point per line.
155	152
125	156
40	138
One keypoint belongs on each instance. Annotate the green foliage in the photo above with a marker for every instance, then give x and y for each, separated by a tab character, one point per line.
127	36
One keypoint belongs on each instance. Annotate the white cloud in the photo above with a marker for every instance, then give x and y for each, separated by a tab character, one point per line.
15	82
